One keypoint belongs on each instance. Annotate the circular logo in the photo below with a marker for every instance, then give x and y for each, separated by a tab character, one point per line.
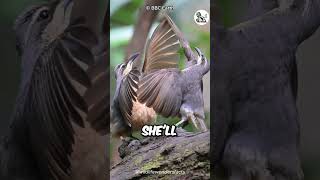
201	17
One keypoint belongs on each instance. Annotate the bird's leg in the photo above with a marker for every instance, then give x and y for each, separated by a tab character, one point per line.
202	124
200	120
183	121
186	115
193	120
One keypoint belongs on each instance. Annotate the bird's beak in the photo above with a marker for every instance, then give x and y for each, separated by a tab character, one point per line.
133	57
67	5
200	55
129	64
60	20
63	11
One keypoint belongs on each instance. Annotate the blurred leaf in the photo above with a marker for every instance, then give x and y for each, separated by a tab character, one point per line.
116	4
125	14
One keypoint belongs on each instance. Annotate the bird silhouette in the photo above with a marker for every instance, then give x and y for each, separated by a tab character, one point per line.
160	86
51	100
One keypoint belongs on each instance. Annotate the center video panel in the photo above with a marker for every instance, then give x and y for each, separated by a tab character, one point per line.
160	89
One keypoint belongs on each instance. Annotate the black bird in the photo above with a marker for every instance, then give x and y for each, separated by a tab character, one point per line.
160	84
50	102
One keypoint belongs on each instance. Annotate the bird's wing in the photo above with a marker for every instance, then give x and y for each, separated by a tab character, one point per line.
97	97
183	41
162	48
128	94
161	90
55	100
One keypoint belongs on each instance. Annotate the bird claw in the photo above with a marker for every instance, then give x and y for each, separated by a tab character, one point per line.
194	122
203	126
197	122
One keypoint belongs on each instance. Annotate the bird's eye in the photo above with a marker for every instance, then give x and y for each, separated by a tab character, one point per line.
116	68
44	14
119	66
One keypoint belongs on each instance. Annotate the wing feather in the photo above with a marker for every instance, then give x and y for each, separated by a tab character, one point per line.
128	94
160	90
97	97
183	41
55	102
162	48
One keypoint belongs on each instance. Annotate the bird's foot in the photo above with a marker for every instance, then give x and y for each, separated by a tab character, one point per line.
198	123
194	121
202	125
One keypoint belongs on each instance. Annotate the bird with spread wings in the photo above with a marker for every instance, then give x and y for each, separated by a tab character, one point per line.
160	86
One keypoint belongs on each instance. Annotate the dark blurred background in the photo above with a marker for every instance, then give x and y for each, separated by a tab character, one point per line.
9	61
232	12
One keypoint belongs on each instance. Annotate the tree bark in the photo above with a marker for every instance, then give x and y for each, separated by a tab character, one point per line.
187	154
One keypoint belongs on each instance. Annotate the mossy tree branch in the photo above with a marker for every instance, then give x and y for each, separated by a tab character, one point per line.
188	153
